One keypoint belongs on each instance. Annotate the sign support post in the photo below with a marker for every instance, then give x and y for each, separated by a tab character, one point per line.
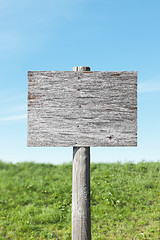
82	109
81	214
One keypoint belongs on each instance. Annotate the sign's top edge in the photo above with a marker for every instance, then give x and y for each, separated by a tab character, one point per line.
135	71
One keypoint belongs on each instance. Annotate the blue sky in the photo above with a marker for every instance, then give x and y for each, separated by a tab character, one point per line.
56	35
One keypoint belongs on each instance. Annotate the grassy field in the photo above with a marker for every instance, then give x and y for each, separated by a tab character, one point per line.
35	201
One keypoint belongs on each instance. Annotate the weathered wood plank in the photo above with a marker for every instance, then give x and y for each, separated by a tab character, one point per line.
82	108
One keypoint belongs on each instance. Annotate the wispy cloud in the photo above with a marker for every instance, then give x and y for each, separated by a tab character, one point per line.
20	25
149	86
13	118
17	109
13	107
11	96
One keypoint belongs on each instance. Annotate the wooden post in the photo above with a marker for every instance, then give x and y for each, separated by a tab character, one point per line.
81	214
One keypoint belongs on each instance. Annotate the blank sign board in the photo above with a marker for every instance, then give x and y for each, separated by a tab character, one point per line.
82	108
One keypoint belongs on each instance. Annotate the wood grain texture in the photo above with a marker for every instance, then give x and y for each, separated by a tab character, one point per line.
81	215
82	108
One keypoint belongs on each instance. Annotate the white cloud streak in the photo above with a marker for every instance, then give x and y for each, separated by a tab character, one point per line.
149	86
13	118
13	97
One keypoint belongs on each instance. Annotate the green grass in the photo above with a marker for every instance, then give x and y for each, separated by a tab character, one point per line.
35	201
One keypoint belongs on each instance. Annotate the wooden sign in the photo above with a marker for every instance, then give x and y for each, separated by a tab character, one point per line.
82	108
